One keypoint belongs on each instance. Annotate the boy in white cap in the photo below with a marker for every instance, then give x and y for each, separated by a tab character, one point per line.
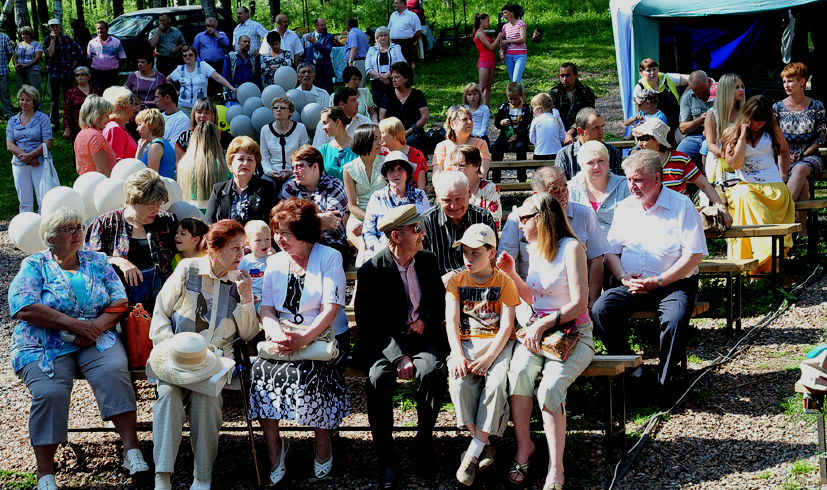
480	307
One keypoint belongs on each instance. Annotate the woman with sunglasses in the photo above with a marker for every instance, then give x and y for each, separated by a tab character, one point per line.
194	77
678	168
75	97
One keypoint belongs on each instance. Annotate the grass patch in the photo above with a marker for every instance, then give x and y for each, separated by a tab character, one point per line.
792	366
14	480
694	359
765	475
802	467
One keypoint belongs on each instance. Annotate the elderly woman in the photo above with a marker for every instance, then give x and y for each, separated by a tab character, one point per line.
219	282
275	59
75	97
378	63
485	194
557	290
193	76
279	140
393	137
115	131
755	147
678	168
26	134
145	80
398	173
156	152
203	110
804	123
362	177
203	165
138	238
303	301
60	299
92	151
458	128
407	104
595	186
26	59
309	181
245	196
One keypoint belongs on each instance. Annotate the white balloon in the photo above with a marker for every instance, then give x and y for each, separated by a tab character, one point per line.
126	167
60	197
309	97
286	78
298	98
246	91
311	115
85	186
109	195
242	126
173	191
251	105
232	112
184	209
24	231
262	117
297	116
270	92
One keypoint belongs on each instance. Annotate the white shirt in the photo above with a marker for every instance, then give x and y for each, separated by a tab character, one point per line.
322	97
271	154
289	41
547	133
321	137
174	125
193	84
404	25
650	242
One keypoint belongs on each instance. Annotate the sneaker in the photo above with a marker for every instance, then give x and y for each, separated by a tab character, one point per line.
134	462
47	482
466	471
486	459
162	481
201	484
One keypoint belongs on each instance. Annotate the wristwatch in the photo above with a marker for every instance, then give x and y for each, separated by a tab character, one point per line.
660	281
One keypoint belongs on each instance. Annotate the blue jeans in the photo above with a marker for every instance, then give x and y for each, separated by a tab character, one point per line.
691	145
5	100
515	65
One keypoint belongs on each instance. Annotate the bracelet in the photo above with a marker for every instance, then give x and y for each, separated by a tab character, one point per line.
660	281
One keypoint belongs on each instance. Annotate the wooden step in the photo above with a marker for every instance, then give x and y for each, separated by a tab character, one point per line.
715	266
511	164
814	204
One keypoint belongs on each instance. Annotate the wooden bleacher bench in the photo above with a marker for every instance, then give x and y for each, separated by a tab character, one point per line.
732	270
812	207
818	398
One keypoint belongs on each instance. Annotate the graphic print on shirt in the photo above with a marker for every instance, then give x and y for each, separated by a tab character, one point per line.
480	316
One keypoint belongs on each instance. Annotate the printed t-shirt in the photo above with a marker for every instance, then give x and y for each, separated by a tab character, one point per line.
481	303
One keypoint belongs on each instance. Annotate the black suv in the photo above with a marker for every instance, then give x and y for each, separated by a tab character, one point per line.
133	28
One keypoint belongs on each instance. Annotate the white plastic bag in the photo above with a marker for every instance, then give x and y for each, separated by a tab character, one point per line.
48	179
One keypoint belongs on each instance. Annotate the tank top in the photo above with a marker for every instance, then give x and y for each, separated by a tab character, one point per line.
485	53
759	163
547	280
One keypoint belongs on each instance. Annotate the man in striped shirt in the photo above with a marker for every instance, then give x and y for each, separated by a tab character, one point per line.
107	55
448	219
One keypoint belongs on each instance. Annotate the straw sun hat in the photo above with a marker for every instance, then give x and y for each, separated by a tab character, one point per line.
184	358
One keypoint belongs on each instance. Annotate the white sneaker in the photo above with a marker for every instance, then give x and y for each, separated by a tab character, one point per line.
134	462
201	484
162	481
47	482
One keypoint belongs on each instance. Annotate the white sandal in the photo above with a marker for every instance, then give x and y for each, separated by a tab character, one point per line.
47	482
323	469
277	471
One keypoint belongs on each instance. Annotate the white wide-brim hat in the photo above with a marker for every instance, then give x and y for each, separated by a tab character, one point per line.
184	358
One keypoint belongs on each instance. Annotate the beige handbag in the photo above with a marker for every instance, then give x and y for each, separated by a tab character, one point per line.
711	220
323	348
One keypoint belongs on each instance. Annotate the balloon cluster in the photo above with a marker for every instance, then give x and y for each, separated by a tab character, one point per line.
92	194
253	110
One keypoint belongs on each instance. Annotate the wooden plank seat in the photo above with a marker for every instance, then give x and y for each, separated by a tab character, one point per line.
733	271
817	398
812	207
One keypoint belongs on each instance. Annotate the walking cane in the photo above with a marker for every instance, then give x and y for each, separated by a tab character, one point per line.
242	360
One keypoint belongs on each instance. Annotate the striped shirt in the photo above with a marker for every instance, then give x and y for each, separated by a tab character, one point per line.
255	31
105	55
678	170
6	50
441	233
512	31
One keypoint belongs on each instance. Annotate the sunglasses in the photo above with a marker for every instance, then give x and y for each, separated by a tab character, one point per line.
417	228
299	166
188	55
644	137
524	219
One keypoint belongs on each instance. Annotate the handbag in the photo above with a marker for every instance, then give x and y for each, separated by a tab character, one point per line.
558	342
323	348
135	333
48	179
711	220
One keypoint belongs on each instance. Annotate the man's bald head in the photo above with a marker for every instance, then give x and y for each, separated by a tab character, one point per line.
699	83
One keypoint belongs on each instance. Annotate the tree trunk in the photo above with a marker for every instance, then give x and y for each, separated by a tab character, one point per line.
117	8
139	4
79	11
157	4
275	9
209	8
227	5
181	3
58	8
8	11
43	15
21	15
35	22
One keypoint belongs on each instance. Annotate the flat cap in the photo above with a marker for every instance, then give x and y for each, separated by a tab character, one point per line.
399	217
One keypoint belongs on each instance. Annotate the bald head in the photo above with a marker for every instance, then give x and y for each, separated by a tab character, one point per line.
699	84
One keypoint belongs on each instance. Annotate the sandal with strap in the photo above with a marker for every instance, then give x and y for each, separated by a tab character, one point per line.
520	469
553	486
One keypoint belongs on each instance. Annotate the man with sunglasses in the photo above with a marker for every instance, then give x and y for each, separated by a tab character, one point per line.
582	220
590	126
400	309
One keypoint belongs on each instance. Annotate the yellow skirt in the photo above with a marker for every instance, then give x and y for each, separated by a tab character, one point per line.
759	204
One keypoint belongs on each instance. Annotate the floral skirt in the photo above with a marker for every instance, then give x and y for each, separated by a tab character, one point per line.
313	393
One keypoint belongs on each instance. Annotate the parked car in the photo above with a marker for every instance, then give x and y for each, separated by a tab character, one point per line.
133	28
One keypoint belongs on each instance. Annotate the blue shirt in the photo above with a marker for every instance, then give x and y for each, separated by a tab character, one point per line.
167	166
6	51
30	136
209	48
244	71
358	39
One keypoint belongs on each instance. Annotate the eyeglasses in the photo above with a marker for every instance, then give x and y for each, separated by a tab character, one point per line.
300	165
81	75
524	219
644	137
81	229
417	228
188	55
554	190
281	108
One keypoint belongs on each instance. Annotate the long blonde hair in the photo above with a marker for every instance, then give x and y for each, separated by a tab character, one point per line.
725	102
552	224
203	165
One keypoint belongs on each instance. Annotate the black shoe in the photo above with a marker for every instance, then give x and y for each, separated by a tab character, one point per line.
388	479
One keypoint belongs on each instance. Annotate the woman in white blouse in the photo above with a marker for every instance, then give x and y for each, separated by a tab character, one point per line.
193	76
279	140
378	63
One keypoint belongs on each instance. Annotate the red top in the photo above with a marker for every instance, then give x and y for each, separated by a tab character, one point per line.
485	53
418	161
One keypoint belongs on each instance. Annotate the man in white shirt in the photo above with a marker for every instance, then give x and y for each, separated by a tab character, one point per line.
175	121
307	74
289	39
348	100
251	28
406	29
657	242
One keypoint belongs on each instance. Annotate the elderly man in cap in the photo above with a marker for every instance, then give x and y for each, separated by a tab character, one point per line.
447	220
62	57
400	310
657	242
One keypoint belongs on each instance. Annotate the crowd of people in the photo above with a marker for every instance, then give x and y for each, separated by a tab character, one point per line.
497	311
